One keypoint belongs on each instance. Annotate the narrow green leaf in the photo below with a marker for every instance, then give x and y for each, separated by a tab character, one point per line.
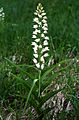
28	84
28	97
29	75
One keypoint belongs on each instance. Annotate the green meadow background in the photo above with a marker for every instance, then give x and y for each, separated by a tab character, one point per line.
16	30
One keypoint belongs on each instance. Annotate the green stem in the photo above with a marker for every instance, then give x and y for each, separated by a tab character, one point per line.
39	82
30	92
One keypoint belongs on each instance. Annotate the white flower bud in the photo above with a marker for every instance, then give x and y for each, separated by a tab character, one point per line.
3	15
0	15
34	32
13	58
39	23
35	13
34	44
35	26
35	55
41	8
35	60
45	42
46	55
36	20
42	59
42	35
77	60
44	28
45	25
35	50
47	38
39	31
44	21
34	36
45	32
45	49
37	65
37	40
1	9
39	16
43	14
40	46
43	11
42	66
44	17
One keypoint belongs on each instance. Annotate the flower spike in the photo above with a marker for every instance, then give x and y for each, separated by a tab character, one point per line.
40	43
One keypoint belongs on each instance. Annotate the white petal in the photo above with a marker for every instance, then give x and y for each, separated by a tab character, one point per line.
13	58
39	23
42	35
42	59
43	14
45	25
34	32
42	66
39	31
44	21
45	42
35	60
37	40
46	55
35	19
35	55
45	32
34	36
35	13
35	26
37	65
0	15
44	28
41	8
39	16
34	44
77	61
1	9
35	47
45	49
42	11
44	17
47	38
35	50
40	46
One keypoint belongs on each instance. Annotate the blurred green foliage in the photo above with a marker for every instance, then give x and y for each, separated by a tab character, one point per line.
16	30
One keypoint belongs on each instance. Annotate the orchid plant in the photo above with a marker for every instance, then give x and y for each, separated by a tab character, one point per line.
37	85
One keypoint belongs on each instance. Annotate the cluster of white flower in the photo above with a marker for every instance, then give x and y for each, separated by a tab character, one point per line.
2	14
40	44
